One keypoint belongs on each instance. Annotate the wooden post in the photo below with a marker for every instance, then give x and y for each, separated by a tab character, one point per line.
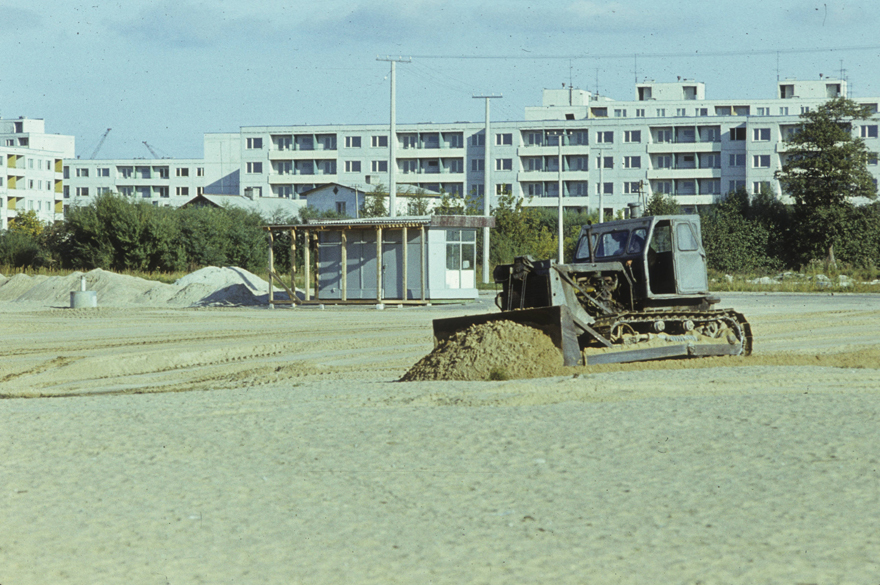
293	264
405	263
422	259
344	261
271	270
379	264
307	261
317	276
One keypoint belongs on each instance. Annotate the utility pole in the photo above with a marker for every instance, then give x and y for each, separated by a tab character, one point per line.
487	182
392	137
559	209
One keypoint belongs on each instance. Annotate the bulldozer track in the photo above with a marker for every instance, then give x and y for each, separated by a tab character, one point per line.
643	322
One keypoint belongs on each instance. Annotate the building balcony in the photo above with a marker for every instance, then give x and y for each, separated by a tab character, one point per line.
679	147
302	154
544	150
692	173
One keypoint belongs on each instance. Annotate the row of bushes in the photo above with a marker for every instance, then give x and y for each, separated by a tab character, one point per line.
742	234
116	233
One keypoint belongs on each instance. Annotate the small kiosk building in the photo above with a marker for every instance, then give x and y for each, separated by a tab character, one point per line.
401	259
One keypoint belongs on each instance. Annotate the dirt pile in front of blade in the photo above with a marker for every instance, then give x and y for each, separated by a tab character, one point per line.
499	350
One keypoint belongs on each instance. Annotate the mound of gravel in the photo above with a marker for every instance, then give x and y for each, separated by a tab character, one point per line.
497	350
210	286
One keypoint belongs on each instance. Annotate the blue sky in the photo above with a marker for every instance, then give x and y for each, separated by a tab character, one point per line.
167	72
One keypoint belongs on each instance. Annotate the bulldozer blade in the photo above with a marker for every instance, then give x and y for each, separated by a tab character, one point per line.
556	322
660	353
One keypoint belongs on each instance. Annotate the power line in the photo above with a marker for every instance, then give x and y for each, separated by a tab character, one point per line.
656	55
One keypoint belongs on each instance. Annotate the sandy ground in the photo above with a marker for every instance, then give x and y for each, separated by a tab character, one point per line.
245	445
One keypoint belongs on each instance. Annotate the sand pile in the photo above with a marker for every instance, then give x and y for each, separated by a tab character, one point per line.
498	350
210	286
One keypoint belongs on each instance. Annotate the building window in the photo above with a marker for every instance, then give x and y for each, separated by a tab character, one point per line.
478	165
760	134
578	163
379	141
661	112
409	166
632	187
761	161
503	164
82	172
82	191
620	113
702	111
605	188
711	161
162	191
783	111
640	113
182	191
352	142
605	137
255	168
200	190
352	166
379	166
680	112
478	140
632	136
804	110
577	189
738	133
163	172
763	111
503	139
663	161
869	131
664	135
664	187
181	172
254	143
340	207
503	188
200	172
758	186
103	172
632	162
125	172
737	160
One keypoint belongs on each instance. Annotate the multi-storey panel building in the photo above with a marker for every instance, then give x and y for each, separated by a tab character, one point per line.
31	170
593	150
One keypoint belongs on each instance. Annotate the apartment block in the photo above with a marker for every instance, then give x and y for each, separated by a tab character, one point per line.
31	170
588	149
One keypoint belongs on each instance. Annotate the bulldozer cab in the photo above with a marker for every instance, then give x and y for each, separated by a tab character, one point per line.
664	253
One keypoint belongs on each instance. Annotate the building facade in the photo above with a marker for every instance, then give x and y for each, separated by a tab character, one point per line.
31	170
593	150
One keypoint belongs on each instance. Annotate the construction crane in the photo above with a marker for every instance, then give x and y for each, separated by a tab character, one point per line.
100	143
150	148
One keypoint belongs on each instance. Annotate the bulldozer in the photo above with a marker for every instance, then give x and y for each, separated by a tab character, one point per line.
637	289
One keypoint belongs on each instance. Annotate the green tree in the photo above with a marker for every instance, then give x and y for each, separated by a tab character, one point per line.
661	204
824	168
734	237
418	203
375	202
459	204
519	231
26	222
